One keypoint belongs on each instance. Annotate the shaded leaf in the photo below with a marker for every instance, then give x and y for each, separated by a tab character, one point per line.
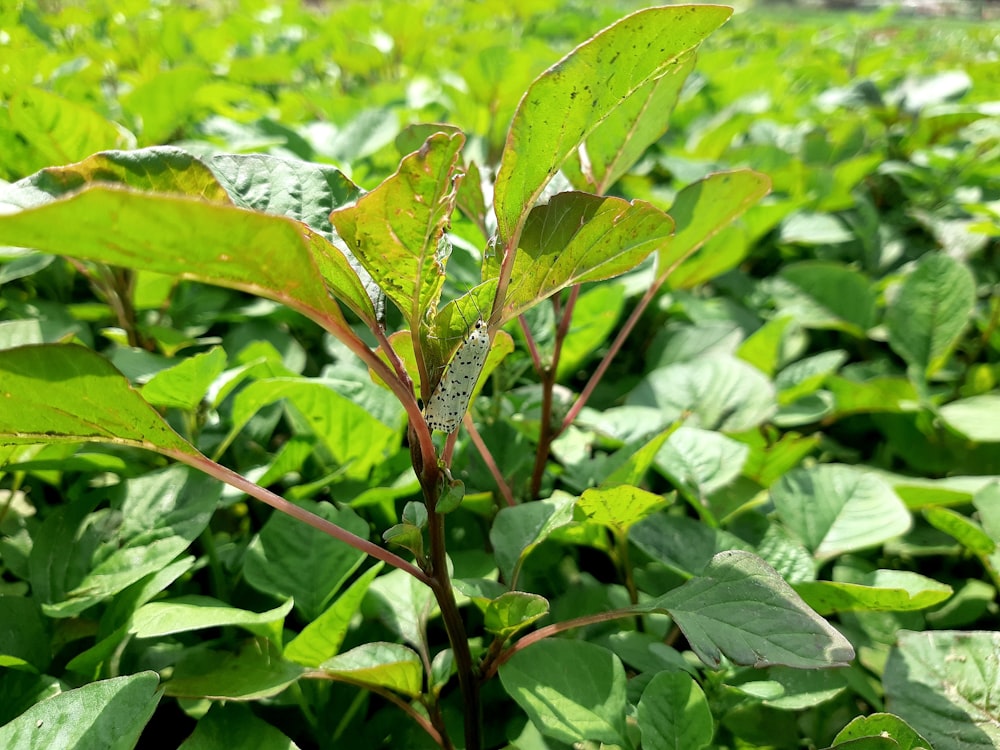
256	672
519	529
739	607
967	665
674	713
231	725
571	690
291	559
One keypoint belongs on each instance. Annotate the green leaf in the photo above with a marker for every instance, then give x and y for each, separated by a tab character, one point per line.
519	529
157	516
595	315
269	256
566	103
966	531
674	713
380	664
805	228
701	461
183	614
683	543
162	169
184	385
882	725
879	394
805	376
618	507
720	393
396	230
117	619
24	640
256	672
299	190
403	604
943	684
764	347
513	611
231	725
987	504
701	211
977	417
59	130
805	688
350	428
571	690
69	393
575	238
321	639
164	101
291	559
828	295
739	607
883	591
835	509
932	308
107	714
620	140
630	463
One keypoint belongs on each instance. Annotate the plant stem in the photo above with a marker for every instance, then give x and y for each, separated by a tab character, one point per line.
491	464
455	628
230	477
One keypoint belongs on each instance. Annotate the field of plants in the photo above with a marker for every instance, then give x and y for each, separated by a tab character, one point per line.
536	374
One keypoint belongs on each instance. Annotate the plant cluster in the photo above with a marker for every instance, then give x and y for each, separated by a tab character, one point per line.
566	430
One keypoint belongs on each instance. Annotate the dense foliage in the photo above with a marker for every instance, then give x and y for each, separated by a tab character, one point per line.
730	475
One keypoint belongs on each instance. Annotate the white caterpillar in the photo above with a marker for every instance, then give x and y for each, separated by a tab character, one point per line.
450	400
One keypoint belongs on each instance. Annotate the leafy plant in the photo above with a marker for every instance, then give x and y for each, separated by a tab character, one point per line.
534	554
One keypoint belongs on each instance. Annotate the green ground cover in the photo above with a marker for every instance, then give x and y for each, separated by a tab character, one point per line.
729	477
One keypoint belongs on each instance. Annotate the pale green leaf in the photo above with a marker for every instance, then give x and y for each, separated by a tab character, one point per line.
674	713
943	684
184	385
183	614
740	608
69	393
108	714
837	508
571	690
618	507
575	238
882	591
380	664
932	308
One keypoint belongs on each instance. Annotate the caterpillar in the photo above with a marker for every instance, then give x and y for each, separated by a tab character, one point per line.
450	399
